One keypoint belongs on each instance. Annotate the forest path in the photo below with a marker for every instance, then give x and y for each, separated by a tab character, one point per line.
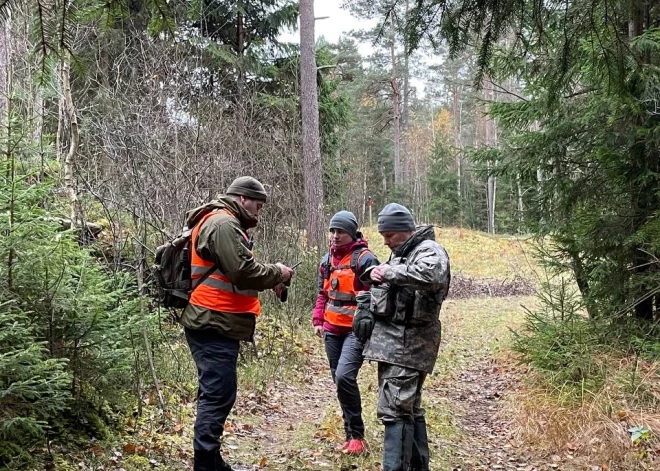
295	424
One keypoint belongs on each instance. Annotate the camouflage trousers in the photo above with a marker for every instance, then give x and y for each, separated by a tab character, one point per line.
399	393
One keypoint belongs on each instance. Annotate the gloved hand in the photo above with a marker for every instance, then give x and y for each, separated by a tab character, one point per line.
281	292
363	322
363	325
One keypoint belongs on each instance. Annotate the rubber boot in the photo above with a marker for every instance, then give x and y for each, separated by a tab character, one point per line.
220	464
420	449
204	460
397	449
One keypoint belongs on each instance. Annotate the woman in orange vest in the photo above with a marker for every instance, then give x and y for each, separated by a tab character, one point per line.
339	283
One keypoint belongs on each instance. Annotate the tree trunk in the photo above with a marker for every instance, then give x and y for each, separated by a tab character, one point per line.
643	203
311	149
104	66
4	77
69	162
5	132
142	261
491	198
59	136
635	22
521	207
491	183
240	47
240	36
38	130
405	147
364	195
582	280
396	114
457	145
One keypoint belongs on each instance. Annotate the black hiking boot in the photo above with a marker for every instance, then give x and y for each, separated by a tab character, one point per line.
210	461
220	464
204	460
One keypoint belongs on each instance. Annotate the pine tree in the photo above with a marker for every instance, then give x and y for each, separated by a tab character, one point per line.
582	133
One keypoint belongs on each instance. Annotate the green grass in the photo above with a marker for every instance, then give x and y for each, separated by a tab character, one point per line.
474	253
474	328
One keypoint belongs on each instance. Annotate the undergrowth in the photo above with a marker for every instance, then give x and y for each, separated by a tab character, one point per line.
593	385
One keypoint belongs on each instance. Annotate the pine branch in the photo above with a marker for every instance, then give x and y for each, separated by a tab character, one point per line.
41	19
163	19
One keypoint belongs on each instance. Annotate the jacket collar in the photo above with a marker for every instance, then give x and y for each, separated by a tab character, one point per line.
421	234
341	252
246	219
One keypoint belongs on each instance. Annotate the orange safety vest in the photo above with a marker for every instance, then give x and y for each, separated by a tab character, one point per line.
217	292
340	288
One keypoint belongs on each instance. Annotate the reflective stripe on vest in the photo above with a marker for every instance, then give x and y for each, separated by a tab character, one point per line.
217	292
340	287
217	282
339	296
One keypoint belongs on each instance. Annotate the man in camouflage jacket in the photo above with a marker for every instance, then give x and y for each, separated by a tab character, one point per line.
405	338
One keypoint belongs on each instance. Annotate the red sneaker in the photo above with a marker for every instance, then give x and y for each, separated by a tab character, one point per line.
342	446
356	446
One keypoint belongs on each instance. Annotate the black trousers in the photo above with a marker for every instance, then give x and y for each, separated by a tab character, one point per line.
215	357
345	358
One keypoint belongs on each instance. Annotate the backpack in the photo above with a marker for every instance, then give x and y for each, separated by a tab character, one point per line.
173	273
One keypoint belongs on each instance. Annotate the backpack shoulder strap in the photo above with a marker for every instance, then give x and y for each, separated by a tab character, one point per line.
208	272
355	258
199	224
326	265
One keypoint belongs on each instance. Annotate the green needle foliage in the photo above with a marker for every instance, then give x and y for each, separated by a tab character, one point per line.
582	131
65	324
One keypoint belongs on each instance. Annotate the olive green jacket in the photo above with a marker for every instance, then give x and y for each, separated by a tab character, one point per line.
222	240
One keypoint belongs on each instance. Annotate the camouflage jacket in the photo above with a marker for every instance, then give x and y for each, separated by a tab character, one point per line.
418	277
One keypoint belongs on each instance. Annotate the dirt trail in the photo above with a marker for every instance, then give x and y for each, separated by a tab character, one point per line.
485	439
295	425
274	441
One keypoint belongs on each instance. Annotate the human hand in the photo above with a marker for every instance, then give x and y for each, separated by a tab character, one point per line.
279	289
318	331
378	272
287	272
363	325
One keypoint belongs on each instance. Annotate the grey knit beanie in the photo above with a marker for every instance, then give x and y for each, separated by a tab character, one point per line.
249	187
396	218
346	221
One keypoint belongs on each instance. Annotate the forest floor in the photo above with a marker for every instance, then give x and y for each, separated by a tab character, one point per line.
482	407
